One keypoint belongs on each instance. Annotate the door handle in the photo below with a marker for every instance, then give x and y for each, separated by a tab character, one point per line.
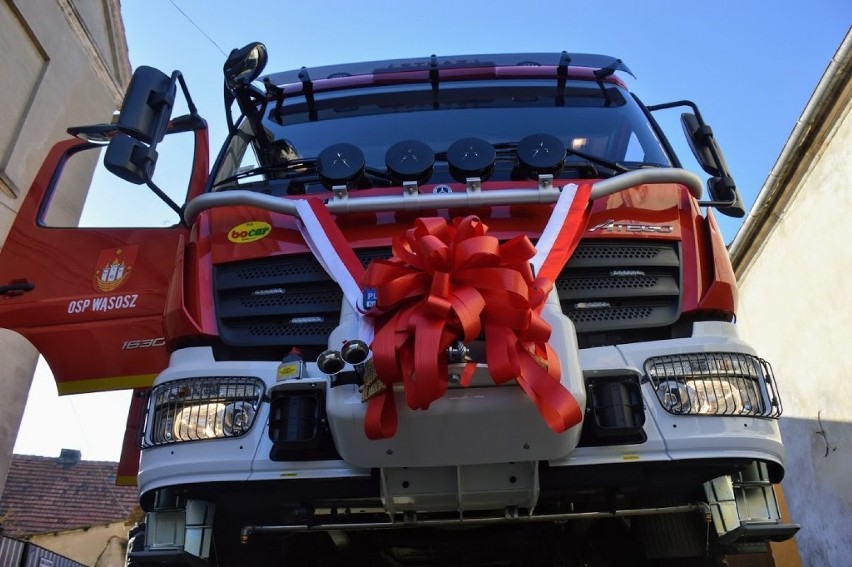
16	288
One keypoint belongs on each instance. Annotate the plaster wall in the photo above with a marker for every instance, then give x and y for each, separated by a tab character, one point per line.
63	63
796	309
85	546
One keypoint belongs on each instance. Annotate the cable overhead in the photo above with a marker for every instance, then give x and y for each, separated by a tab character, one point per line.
210	39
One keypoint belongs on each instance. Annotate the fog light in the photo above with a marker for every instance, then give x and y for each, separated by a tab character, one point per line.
203	408
714	384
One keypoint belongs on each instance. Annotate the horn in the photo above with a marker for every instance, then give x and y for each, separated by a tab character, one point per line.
330	362
355	352
457	352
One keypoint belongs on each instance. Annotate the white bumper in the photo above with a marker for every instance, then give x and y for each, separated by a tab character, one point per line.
468	427
681	437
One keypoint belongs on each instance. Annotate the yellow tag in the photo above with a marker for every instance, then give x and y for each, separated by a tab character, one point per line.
630	457
288	371
372	385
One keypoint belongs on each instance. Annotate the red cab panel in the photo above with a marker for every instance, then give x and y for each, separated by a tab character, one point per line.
91	300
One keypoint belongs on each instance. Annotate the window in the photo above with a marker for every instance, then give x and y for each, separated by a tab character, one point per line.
112	202
601	121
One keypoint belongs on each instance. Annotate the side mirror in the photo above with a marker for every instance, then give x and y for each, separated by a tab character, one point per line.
724	190
143	122
130	159
721	185
244	65
703	145
147	105
144	117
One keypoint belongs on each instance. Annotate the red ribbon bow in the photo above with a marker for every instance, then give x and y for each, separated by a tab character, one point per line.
446	283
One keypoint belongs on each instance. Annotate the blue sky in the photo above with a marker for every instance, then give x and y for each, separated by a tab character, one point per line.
751	66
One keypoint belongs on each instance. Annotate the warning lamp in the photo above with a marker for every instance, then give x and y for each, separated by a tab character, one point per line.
471	157
340	164
410	160
541	154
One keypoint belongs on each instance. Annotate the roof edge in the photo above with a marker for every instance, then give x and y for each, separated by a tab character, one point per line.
810	128
447	62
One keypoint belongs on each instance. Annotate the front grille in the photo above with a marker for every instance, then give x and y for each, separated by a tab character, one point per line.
282	301
613	292
621	290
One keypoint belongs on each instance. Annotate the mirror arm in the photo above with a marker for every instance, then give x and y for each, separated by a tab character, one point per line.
190	105
165	198
677	103
229	101
717	204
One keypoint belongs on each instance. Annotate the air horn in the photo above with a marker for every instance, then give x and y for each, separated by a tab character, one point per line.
354	352
330	362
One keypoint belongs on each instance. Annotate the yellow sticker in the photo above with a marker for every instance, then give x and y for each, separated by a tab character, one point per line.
249	232
288	370
630	457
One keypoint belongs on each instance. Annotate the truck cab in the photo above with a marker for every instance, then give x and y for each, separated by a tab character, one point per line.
449	310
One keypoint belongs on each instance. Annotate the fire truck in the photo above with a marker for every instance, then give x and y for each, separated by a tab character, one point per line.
463	310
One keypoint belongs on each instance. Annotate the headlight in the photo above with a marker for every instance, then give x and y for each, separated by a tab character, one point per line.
203	408
714	384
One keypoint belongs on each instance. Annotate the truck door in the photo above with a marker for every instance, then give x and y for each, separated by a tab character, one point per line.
90	294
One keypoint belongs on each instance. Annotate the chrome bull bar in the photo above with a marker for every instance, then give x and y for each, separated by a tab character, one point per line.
411	199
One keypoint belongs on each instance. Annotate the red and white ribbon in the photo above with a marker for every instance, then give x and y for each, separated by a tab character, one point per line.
563	230
447	282
335	254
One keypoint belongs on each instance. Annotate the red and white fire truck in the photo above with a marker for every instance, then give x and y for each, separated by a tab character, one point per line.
450	310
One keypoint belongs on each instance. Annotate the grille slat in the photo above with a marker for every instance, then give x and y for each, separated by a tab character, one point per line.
320	298
607	253
612	287
607	286
282	301
297	269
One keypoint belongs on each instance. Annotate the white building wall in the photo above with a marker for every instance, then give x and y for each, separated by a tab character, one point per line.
796	309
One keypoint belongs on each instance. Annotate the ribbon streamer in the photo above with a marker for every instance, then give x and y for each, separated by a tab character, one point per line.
447	282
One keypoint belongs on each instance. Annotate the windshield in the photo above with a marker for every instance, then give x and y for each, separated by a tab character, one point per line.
591	120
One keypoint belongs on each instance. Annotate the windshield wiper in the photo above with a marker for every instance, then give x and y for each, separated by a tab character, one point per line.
293	169
300	166
613	165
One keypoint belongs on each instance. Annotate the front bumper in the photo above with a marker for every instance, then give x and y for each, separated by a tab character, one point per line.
446	440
